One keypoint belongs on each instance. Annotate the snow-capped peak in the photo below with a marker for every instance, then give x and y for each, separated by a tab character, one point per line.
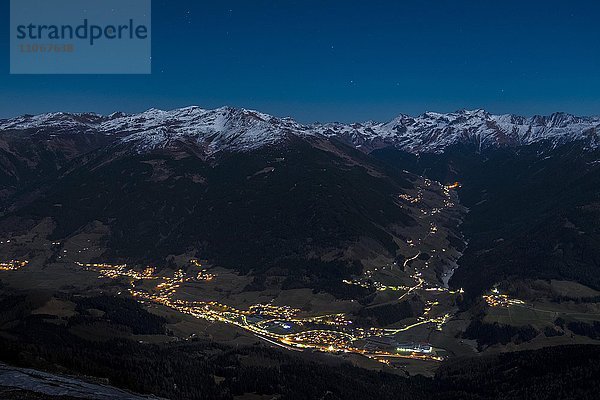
221	128
433	132
237	129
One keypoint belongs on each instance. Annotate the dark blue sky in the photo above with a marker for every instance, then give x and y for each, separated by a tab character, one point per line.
344	60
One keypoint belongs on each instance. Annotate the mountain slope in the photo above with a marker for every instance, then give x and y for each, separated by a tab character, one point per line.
29	161
533	211
302	210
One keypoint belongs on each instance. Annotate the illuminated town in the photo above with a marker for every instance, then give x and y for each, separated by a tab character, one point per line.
279	325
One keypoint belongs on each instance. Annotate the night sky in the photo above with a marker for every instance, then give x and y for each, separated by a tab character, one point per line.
343	60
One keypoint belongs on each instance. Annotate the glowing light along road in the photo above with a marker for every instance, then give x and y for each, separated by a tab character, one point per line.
416	276
277	325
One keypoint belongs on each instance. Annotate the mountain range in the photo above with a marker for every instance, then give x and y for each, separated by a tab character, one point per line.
234	129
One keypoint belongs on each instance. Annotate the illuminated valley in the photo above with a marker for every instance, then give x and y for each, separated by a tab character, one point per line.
192	288
280	325
339	333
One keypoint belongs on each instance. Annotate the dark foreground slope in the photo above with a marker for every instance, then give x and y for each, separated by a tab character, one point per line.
567	372
23	383
198	369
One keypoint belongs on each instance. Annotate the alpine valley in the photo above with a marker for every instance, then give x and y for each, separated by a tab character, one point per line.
227	253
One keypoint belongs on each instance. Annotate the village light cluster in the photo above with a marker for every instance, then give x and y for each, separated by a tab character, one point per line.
497	299
12	265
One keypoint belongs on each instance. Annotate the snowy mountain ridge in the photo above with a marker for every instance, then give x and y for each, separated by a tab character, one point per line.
234	129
